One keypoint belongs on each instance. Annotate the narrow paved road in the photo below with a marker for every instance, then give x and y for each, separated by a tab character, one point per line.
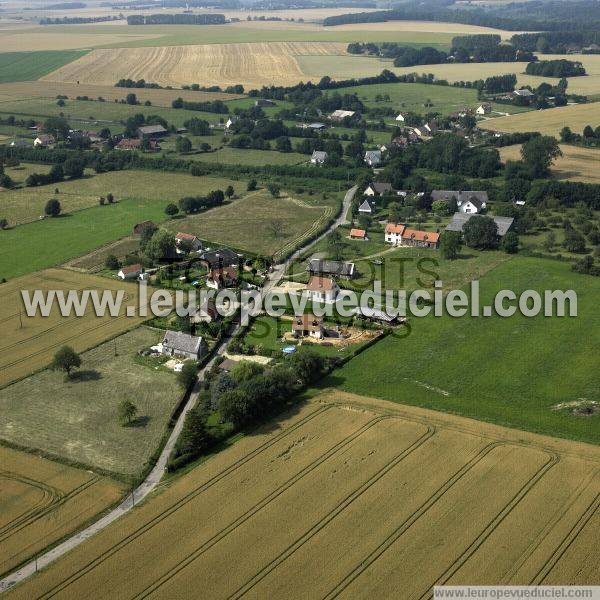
154	477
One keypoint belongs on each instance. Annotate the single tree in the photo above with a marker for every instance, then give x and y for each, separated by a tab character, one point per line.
52	208
187	376
161	246
127	411
65	359
112	262
510	243
274	189
481	232
195	437
110	198
251	185
229	191
183	144
450	244
171	209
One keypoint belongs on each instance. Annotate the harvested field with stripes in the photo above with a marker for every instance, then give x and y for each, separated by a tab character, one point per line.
29	343
252	65
42	501
334	501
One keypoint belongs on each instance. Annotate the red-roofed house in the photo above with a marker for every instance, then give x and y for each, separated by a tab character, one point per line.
130	272
424	239
358	234
222	278
189	241
322	289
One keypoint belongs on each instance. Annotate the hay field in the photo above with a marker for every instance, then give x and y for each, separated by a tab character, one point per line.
29	343
383	492
576	164
78	420
252	65
49	89
257	223
547	122
42	501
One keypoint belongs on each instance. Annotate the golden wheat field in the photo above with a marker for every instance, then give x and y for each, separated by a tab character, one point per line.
42	501
547	122
333	501
29	343
576	164
252	65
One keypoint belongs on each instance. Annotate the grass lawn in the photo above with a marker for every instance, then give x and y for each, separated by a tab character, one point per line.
25	66
257	223
25	205
78	419
509	371
239	156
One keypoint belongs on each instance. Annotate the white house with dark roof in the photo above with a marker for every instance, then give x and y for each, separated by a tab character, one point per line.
378	188
183	345
468	202
365	208
373	158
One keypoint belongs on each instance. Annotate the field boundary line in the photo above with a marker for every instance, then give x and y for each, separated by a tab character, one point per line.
552	461
412	519
181	502
583	486
567	541
350	498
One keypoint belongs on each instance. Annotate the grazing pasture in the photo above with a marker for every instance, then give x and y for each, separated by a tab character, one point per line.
253	158
547	122
29	343
157	189
78	419
257	223
252	65
42	501
21	66
338	462
576	164
512	371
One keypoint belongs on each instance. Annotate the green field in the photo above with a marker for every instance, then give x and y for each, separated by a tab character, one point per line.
509	371
25	66
412	96
24	205
78	419
253	158
258	223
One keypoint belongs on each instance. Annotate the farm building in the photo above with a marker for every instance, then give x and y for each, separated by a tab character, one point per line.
469	202
365	208
130	272
322	289
378	315
44	141
331	267
153	132
400	235
484	109
358	234
189	242
523	93
340	115
136	144
183	345
317	126
373	158
308	326
319	158
459	219
264	103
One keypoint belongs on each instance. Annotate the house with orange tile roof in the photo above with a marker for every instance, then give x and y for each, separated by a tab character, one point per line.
358	234
322	289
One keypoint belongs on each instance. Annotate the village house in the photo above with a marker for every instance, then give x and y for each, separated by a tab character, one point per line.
20	143
483	109
459	219
183	345
139	227
45	140
308	326
222	277
358	234
190	242
215	259
470	201
322	289
373	158
523	93
426	130
130	271
378	189
365	208
319	158
316	126
402	117
153	132
231	121
326	268
129	144
400	235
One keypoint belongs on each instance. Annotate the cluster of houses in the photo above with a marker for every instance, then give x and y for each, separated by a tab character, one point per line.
400	235
372	158
148	138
